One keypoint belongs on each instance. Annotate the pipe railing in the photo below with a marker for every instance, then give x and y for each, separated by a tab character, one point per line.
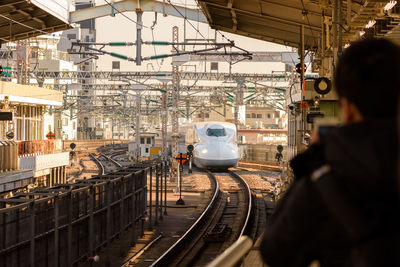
37	147
234	254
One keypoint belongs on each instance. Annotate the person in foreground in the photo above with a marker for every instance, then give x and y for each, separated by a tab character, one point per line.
342	208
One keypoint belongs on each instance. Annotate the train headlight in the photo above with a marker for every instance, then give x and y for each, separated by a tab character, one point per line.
204	150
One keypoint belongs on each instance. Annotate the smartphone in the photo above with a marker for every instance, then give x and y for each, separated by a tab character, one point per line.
325	125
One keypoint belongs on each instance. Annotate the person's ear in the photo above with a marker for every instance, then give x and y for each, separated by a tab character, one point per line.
349	112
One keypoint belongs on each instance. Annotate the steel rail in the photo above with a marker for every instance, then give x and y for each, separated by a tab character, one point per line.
163	259
250	202
141	251
98	163
112	160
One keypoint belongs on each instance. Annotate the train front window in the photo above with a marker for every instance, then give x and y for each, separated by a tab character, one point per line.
216	132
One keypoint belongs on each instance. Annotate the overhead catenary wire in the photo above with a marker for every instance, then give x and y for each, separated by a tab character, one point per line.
197	30
308	21
125	15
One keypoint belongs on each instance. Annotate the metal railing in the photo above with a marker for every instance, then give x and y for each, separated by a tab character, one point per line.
10	151
38	147
62	225
234	254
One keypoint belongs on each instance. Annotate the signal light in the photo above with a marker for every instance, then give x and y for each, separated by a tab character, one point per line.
298	68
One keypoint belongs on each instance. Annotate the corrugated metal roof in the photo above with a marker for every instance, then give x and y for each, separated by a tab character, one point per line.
21	19
279	21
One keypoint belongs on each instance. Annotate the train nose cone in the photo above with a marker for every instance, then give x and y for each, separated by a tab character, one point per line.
221	150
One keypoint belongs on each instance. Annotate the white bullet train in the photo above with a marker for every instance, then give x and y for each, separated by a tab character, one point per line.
215	144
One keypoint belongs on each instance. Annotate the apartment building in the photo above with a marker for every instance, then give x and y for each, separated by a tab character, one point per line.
258	117
42	55
224	113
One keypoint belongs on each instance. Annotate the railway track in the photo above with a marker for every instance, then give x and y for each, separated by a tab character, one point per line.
106	163
223	221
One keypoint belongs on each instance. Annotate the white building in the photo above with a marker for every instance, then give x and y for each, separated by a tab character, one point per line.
27	157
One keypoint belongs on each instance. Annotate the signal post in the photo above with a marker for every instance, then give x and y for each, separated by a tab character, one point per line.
181	159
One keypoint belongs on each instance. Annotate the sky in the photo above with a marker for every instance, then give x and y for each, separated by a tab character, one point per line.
119	28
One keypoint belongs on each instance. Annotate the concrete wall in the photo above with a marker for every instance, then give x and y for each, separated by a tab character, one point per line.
41	162
260	152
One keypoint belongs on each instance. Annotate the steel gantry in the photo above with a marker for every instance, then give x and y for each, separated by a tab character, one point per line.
144	75
175	109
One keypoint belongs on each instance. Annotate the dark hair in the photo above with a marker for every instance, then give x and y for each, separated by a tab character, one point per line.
368	75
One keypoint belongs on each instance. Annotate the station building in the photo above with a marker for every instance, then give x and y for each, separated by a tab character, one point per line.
27	157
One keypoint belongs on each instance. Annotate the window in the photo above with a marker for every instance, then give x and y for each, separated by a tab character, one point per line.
207	115
148	141
248	116
115	65
268	116
199	115
253	115
141	140
216	132
87	38
259	116
74	125
147	150
71	36
65	122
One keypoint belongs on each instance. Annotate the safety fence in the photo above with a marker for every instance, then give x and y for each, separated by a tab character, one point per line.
65	224
11	151
92	144
38	147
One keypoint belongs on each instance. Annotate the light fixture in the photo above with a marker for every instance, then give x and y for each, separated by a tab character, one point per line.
346	45
370	24
361	33
389	5
316	101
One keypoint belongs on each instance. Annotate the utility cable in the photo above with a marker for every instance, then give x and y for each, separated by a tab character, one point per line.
124	14
308	21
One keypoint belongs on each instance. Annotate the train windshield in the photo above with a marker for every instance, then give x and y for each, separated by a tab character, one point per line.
216	132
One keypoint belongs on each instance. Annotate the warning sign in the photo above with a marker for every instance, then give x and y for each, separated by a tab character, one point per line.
181	158
50	135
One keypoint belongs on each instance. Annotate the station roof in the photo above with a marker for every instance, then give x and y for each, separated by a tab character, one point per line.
279	21
28	94
21	19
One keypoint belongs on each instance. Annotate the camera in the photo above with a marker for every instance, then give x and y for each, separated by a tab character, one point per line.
291	106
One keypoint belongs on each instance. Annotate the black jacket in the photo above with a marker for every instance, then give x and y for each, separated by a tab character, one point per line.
363	162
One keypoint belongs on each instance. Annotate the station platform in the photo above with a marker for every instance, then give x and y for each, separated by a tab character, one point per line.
12	180
196	193
178	219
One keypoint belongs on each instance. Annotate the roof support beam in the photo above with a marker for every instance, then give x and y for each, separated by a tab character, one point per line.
131	5
273	18
12	3
29	16
233	14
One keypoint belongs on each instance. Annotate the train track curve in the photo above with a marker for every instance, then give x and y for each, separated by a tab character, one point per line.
223	221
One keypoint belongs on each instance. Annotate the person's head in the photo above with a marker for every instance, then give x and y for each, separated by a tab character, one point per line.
367	80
